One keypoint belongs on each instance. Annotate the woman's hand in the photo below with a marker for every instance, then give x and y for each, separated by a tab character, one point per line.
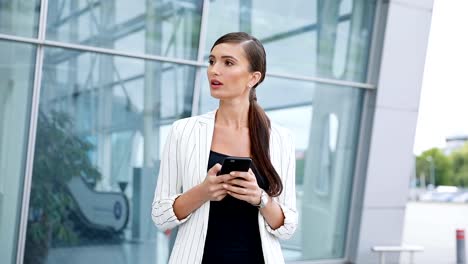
243	186
212	186
211	189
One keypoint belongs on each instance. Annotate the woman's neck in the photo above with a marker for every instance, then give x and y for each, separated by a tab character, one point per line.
233	115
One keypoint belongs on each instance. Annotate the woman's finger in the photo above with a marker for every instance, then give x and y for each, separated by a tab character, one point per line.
242	174
239	196
216	187
219	195
241	183
214	170
234	189
223	178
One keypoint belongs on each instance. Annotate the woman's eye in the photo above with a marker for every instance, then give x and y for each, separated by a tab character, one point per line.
228	63
210	62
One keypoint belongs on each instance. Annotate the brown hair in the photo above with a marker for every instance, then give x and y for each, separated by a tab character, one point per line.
259	123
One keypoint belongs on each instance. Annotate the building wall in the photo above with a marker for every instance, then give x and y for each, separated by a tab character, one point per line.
390	157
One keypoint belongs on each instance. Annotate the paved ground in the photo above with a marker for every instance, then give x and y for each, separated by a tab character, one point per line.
433	226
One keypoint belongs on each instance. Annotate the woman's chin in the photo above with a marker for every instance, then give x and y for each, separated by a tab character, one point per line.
216	94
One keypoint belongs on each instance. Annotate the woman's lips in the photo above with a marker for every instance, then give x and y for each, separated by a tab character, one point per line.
215	84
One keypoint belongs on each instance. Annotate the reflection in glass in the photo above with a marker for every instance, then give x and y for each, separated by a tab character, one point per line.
298	36
97	152
165	28
19	18
16	85
329	166
328	147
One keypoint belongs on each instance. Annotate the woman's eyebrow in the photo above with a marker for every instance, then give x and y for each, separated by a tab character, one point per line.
224	57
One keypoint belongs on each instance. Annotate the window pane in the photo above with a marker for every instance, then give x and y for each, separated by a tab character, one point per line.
98	142
324	120
165	28
326	133
16	85
328	39
19	18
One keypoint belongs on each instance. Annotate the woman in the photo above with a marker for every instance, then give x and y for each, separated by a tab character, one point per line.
236	217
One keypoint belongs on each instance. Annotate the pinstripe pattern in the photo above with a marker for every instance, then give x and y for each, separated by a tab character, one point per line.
184	164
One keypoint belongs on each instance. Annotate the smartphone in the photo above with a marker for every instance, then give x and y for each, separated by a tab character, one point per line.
235	164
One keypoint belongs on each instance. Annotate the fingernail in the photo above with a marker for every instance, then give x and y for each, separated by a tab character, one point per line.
232	173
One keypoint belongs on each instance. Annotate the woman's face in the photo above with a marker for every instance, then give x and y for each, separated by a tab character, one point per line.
228	72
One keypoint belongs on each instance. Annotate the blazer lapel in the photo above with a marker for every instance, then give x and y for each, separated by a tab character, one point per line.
205	138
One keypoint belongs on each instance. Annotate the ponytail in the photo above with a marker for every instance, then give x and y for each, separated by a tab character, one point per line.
259	131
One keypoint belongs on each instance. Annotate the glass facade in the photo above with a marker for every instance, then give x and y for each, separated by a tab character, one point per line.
19	18
164	28
318	38
16	86
103	116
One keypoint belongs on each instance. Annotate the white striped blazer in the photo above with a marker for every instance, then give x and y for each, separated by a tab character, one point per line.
184	165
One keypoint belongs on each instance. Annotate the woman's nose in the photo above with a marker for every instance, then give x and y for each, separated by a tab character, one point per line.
213	69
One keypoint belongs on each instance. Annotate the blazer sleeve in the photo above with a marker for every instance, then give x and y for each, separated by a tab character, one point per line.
169	183
287	199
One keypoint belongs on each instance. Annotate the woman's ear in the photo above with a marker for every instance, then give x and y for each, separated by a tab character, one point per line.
255	78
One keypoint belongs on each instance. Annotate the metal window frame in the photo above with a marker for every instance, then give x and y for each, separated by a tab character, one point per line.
21	242
365	133
199	63
201	49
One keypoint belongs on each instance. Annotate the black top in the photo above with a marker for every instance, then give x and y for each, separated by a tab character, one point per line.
233	235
